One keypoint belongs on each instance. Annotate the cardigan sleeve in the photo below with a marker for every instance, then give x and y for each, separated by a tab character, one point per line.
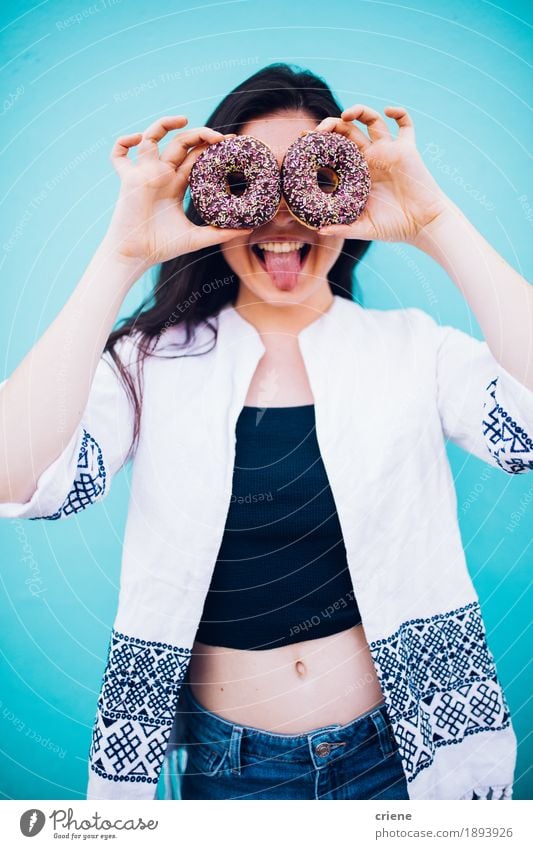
483	408
81	475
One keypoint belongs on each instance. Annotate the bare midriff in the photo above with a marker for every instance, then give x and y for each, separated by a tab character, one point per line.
291	689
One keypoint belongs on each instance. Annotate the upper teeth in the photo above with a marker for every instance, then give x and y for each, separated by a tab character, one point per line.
280	247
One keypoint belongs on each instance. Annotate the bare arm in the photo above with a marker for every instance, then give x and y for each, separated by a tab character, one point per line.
42	402
407	205
501	299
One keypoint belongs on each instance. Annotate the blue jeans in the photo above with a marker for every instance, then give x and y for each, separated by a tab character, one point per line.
359	760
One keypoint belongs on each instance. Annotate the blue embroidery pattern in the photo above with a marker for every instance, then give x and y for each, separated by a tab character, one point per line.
89	483
440	684
136	708
505	438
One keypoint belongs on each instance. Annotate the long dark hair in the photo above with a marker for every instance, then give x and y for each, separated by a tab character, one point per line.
275	88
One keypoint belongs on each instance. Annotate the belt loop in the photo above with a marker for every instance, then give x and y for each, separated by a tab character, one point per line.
235	749
384	735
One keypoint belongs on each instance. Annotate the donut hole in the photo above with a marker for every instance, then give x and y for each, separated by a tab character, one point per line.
236	182
327	179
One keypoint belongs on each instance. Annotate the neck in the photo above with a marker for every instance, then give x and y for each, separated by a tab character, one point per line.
275	316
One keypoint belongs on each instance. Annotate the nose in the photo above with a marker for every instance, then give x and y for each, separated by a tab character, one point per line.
283	214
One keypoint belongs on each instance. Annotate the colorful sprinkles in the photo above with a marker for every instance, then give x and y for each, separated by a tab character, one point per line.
299	179
211	193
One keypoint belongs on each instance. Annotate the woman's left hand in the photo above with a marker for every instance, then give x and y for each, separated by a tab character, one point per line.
404	197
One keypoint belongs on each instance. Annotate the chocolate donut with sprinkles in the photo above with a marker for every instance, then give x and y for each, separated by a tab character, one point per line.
325	179
236	183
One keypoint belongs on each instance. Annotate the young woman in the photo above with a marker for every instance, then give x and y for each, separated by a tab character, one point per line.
294	596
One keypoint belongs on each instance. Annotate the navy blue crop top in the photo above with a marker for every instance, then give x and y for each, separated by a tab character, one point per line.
281	574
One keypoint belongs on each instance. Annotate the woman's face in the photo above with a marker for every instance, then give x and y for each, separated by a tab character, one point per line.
266	273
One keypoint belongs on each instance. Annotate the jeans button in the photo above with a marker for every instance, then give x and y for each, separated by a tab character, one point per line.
323	749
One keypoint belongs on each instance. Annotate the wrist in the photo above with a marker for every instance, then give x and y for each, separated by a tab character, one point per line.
128	268
434	232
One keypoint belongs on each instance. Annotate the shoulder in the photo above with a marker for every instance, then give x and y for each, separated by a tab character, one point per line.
138	344
401	321
126	349
175	339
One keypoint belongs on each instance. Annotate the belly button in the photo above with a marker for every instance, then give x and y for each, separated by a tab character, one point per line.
300	667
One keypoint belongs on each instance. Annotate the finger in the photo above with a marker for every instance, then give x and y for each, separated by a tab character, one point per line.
158	130
359	230
184	171
162	126
337	125
403	119
176	150
119	152
376	126
210	235
185	168
224	234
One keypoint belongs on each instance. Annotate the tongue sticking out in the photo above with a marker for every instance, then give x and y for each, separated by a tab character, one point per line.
283	268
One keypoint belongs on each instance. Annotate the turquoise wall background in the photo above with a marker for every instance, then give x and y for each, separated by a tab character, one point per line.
78	74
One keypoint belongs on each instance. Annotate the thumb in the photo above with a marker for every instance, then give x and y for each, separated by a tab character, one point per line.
212	235
358	230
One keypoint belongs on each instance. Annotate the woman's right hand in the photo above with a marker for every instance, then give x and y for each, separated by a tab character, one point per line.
149	224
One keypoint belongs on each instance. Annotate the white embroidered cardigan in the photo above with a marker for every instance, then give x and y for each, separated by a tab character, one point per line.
389	388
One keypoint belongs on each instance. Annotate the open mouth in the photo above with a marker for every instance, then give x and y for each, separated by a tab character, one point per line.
259	249
283	261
